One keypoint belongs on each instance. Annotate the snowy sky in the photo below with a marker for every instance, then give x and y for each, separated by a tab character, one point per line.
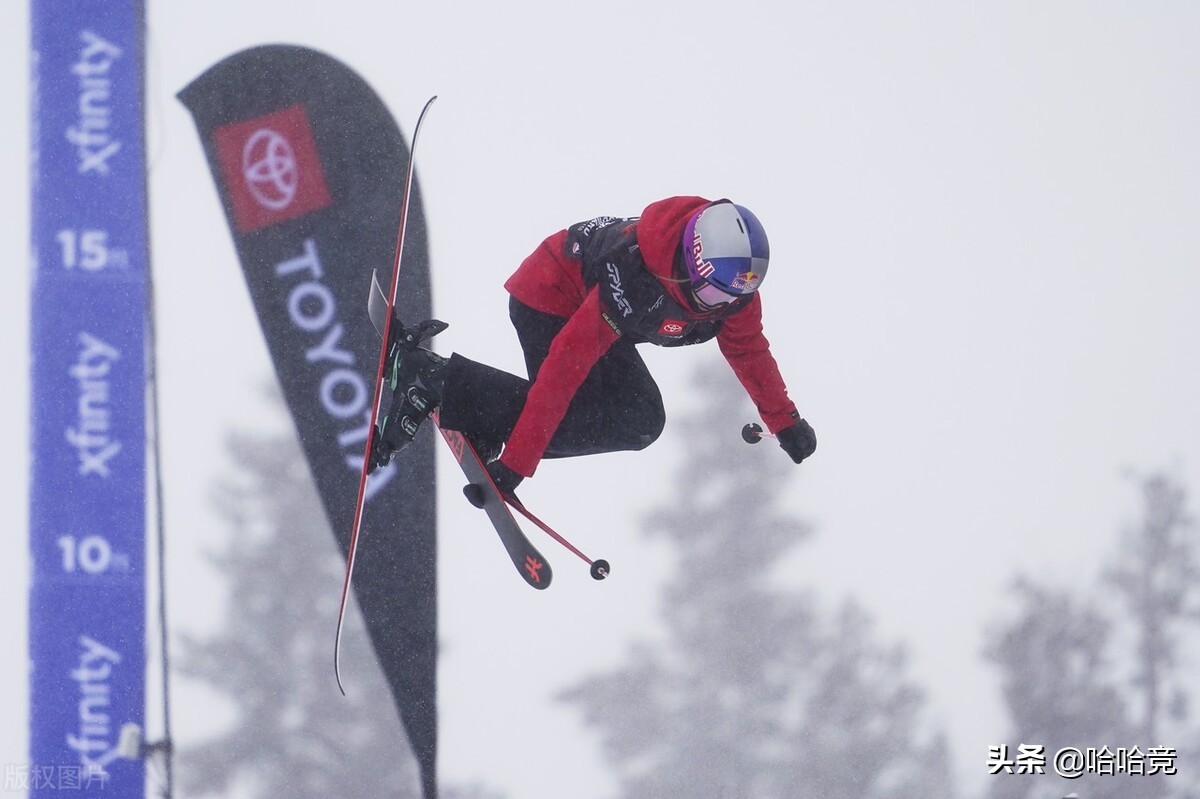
985	272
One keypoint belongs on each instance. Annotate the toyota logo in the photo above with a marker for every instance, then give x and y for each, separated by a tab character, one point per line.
269	169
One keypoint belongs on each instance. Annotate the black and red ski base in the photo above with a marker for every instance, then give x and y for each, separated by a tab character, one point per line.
482	493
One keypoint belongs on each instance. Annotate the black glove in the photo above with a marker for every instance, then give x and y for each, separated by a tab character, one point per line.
505	478
798	441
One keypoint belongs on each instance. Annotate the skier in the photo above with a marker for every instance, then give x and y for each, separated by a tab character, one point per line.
686	271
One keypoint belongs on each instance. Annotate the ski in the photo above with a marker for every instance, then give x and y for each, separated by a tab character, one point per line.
480	490
599	568
482	493
387	322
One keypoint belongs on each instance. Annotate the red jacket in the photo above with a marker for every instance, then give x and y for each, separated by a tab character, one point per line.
552	280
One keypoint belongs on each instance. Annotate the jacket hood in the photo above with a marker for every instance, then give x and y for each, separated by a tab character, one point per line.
660	232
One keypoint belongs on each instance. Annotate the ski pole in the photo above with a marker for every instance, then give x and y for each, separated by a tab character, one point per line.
752	433
599	568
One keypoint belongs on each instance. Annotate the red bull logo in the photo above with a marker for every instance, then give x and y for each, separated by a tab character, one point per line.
703	267
745	281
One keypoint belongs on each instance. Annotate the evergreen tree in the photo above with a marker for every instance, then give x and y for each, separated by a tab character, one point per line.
1059	688
295	735
755	694
1157	575
1064	668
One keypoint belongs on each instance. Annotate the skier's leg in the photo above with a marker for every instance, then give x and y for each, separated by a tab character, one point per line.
618	406
481	402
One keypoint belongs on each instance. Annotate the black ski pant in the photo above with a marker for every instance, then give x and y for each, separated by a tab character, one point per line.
618	406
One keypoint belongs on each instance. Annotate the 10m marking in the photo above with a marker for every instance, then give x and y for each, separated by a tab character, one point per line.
91	555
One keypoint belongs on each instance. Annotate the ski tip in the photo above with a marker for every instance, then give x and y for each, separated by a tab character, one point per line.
337	675
536	571
337	658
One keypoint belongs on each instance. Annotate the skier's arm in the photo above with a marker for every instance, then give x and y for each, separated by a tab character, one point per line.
576	348
549	280
745	347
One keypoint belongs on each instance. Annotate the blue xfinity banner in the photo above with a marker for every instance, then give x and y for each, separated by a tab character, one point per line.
87	517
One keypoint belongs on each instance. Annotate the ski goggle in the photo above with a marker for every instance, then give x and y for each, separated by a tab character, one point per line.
711	296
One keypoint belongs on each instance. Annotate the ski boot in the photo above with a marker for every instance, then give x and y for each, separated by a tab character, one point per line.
415	375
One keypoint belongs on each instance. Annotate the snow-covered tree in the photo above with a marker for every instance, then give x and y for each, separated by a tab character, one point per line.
1113	672
294	735
756	693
